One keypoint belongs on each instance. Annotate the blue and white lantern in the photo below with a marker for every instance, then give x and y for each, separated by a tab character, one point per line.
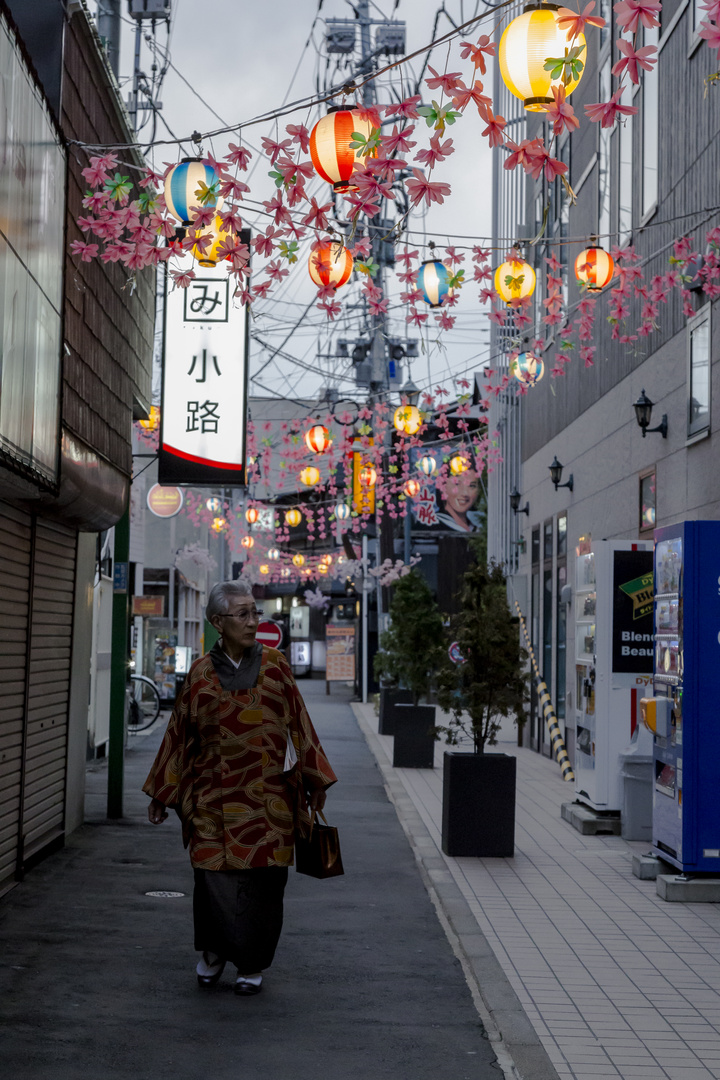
342	511
191	184
433	281
527	368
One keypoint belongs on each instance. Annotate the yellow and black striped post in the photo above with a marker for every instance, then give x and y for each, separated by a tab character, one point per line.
556	740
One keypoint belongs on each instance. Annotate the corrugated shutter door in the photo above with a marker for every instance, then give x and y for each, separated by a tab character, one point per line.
49	685
15	558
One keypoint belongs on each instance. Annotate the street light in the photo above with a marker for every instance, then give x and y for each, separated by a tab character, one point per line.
556	475
515	503
410	391
643	412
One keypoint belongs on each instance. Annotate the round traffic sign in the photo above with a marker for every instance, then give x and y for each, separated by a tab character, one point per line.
269	633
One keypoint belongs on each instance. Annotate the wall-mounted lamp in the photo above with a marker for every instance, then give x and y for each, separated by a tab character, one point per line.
556	475
515	503
643	412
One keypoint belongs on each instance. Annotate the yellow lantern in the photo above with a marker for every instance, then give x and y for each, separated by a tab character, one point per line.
298	560
264	568
251	515
218	524
310	476
407	418
514	279
153	421
594	268
459	464
210	256
293	517
411	488
322	568
247	542
368	476
528	42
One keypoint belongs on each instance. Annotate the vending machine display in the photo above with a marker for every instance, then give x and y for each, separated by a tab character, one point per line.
613	665
683	714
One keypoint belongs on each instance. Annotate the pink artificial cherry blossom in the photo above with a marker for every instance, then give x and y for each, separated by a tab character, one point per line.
446	82
632	59
631	13
419	188
575	22
606	112
561	112
475	52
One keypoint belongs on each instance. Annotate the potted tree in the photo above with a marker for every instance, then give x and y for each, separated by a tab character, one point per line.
410	654
484	683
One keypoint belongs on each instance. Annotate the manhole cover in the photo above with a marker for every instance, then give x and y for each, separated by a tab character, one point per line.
164	894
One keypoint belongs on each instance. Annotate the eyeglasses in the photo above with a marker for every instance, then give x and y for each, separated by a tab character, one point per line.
243	616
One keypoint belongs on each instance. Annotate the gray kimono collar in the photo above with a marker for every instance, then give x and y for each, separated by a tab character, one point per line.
244	677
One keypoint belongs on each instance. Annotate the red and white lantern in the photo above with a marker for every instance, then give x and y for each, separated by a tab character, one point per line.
317	439
332	156
330	263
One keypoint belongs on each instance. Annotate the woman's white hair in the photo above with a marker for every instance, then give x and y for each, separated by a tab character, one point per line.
221	595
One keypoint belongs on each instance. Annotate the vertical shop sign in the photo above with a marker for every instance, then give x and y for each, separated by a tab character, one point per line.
204	390
632	625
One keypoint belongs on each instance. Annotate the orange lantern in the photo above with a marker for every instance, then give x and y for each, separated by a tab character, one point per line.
293	517
368	476
332	156
247	542
330	263
411	488
317	439
298	560
594	268
459	464
251	515
310	476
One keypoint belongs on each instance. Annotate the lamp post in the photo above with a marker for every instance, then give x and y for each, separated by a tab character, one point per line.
515	503
556	475
643	412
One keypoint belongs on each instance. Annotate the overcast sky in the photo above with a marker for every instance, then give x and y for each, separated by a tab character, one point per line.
244	58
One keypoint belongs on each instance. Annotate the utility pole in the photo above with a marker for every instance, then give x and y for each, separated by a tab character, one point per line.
108	24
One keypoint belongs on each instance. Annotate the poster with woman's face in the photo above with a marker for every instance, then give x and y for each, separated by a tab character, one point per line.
449	506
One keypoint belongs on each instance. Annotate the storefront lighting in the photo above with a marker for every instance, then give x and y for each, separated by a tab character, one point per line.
643	414
556	475
515	503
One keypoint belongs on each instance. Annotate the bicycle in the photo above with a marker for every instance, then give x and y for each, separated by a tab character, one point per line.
143	703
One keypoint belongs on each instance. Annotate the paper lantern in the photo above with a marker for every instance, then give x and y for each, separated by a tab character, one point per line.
219	523
594	267
527	43
407	418
317	439
322	568
251	515
527	368
264	568
285	572
332	156
293	517
411	488
190	185
273	554
153	421
433	282
342	511
514	280
330	263
247	542
310	476
459	464
427	464
214	505
210	255
327	559
298	560
368	476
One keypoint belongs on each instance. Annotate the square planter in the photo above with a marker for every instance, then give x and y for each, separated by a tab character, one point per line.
388	700
414	745
479	804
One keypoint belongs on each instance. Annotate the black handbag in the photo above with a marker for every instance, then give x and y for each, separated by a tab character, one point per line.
318	853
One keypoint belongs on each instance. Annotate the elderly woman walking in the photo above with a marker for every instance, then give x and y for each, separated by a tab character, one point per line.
239	759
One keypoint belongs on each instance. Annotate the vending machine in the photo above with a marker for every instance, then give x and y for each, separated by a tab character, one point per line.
613	665
684	714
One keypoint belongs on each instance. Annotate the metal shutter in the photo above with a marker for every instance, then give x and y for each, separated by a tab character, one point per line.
15	562
53	588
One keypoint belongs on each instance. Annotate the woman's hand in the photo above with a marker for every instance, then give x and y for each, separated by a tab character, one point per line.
317	799
156	812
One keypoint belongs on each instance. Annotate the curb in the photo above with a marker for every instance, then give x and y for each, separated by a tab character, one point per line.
517	1046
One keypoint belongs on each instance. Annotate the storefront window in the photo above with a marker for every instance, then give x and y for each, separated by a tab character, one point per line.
699	375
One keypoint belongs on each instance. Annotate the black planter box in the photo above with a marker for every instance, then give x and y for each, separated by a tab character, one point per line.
388	700
414	745
479	804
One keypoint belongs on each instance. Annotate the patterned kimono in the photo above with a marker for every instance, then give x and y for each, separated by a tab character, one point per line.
221	763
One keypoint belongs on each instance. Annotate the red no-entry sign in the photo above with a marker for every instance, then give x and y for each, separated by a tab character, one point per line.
269	633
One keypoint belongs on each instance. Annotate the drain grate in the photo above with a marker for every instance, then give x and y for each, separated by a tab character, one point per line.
164	894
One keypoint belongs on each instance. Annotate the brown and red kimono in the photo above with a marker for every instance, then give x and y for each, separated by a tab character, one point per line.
221	766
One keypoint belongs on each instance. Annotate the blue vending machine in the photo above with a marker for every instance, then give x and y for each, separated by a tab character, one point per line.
684	715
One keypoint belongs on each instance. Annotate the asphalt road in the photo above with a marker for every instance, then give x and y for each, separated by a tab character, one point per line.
97	979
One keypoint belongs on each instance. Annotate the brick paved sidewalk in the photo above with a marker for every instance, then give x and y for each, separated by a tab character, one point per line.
615	981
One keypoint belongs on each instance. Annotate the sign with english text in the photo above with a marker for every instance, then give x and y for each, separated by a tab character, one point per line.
204	390
632	624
